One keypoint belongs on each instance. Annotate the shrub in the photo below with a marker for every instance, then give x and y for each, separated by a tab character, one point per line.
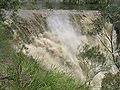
111	13
5	40
92	61
8	5
111	82
98	26
92	53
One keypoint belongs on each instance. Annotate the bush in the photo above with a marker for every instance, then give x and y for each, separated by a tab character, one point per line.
95	4
92	62
98	26
5	42
8	5
111	13
92	53
111	82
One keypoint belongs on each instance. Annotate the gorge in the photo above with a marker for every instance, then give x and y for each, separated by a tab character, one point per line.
55	39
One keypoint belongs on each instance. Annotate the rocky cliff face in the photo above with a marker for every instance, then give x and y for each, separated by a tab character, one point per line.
54	37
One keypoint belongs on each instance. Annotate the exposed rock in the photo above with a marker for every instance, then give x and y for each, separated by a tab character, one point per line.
55	47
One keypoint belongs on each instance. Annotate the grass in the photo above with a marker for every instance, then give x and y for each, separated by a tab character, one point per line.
25	73
5	40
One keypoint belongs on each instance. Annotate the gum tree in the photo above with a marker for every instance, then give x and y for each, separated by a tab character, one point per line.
112	14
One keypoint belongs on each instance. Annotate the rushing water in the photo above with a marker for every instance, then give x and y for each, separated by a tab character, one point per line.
57	46
60	25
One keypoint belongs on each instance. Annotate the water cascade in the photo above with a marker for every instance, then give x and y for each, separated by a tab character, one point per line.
61	26
57	45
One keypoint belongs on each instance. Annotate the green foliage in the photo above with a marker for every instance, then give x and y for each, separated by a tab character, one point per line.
95	4
5	32
71	1
5	46
96	1
8	5
93	54
98	26
24	73
30	6
87	1
111	82
111	13
93	61
65	4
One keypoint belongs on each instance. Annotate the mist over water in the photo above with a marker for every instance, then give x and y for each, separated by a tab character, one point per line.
60	25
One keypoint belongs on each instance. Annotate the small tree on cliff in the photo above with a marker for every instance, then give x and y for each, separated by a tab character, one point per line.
93	61
112	14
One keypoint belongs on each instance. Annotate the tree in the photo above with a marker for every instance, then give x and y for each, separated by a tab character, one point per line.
93	61
8	5
111	14
94	4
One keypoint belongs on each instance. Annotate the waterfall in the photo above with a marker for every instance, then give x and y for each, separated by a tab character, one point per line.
60	25
56	46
